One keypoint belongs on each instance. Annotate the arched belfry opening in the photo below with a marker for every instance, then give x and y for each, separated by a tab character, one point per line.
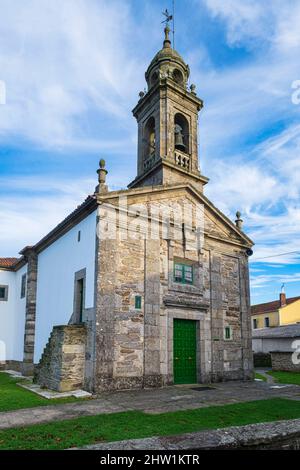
149	140
181	133
177	76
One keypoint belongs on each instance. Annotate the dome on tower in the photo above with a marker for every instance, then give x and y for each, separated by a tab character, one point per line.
167	63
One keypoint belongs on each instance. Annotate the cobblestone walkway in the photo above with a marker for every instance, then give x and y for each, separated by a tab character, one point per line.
151	401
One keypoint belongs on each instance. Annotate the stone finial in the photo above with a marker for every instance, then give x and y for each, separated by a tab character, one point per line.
102	172
167	41
239	221
193	89
141	94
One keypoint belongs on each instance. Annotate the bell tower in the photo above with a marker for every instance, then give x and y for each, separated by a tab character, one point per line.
167	117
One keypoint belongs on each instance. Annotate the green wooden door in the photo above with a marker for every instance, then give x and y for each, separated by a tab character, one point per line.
185	350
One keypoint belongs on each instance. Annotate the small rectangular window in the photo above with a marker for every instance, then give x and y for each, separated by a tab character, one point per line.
254	323
79	236
3	293
138	302
227	332
183	273
267	322
188	274
178	272
23	286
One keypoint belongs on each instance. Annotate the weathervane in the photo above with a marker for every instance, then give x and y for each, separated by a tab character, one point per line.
170	18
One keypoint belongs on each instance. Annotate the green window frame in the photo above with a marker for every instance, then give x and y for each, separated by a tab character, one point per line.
183	273
138	302
227	333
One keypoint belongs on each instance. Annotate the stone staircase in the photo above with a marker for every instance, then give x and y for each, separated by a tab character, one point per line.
62	364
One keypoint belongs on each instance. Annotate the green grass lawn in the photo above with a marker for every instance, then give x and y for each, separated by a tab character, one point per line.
135	424
286	377
257	375
14	397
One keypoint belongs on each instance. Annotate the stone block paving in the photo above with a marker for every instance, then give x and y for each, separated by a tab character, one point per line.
161	400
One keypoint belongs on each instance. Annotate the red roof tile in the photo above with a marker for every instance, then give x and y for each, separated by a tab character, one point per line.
270	306
8	262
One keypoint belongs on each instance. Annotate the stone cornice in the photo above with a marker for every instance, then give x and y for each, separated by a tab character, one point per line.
162	85
165	162
185	301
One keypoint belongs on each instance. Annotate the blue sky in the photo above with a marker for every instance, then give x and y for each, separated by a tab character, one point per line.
73	70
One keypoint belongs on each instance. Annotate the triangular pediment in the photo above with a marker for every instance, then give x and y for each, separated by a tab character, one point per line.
216	224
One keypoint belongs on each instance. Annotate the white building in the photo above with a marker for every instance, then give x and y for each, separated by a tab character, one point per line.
65	260
280	338
12	308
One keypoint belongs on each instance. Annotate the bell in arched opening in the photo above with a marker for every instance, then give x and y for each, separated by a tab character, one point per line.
179	138
151	143
181	133
149	139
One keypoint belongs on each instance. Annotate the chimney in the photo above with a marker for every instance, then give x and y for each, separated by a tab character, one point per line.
282	297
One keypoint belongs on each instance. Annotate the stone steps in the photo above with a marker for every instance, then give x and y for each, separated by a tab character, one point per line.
62	363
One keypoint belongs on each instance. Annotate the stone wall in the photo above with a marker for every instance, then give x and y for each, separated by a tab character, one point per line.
30	315
134	347
282	360
278	435
227	287
62	364
11	365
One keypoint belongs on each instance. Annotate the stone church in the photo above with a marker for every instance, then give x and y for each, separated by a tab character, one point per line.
118	295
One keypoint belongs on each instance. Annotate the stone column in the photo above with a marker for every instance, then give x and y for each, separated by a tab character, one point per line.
246	330
105	314
216	318
30	313
152	373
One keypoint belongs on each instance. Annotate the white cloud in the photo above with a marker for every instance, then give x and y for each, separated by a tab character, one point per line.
249	21
249	108
235	185
267	192
60	60
246	19
261	281
38	206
